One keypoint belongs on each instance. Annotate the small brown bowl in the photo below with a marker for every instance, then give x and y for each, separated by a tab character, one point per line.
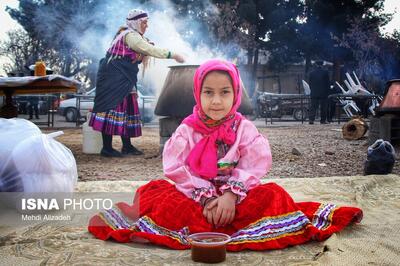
209	247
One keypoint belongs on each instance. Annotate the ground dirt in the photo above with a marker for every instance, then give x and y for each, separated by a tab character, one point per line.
320	151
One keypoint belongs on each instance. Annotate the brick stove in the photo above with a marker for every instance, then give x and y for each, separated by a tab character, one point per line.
386	124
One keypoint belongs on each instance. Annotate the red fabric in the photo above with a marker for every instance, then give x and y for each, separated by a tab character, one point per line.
343	216
169	208
203	157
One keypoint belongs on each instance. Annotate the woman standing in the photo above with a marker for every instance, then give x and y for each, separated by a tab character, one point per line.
116	110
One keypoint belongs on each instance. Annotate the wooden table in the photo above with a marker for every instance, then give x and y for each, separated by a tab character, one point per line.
10	86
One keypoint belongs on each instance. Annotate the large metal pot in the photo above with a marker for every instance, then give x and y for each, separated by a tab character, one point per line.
176	98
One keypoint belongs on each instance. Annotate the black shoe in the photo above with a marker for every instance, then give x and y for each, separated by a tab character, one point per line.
323	122
110	153
131	151
37	117
30	118
311	122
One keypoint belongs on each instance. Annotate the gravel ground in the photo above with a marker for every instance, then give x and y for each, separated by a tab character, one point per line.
321	151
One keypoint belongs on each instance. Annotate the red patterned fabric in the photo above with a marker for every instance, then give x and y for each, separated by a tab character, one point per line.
267	218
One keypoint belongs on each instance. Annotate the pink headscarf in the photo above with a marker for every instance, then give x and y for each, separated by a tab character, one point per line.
203	159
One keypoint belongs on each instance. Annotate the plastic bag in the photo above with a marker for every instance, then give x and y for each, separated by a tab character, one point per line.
13	131
34	162
380	158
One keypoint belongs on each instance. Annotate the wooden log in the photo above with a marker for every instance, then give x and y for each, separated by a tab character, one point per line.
354	129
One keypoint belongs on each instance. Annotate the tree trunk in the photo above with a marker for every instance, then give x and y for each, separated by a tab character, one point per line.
254	72
92	73
336	69
67	66
252	59
249	57
307	67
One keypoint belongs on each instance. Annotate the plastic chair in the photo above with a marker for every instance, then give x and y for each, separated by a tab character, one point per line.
348	105
306	87
353	86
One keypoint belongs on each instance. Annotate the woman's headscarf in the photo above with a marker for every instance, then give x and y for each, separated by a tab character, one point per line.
203	158
133	21
135	18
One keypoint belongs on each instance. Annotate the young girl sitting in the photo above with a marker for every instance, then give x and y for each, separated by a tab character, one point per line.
216	159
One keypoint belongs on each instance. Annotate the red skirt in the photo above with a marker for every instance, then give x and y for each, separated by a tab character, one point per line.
267	218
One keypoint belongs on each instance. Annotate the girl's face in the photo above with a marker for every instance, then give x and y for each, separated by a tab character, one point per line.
143	26
217	95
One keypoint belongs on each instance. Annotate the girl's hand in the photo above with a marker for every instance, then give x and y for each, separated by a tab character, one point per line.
226	207
210	210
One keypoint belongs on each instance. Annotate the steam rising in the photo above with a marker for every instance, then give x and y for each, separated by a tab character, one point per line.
163	30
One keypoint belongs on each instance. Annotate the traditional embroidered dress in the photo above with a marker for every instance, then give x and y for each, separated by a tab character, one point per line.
266	216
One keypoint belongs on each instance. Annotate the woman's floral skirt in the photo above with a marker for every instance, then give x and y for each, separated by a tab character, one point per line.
124	120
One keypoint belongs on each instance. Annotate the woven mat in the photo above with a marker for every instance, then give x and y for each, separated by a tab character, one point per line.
373	242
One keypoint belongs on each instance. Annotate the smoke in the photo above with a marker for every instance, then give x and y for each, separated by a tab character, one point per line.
91	26
166	29
163	31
